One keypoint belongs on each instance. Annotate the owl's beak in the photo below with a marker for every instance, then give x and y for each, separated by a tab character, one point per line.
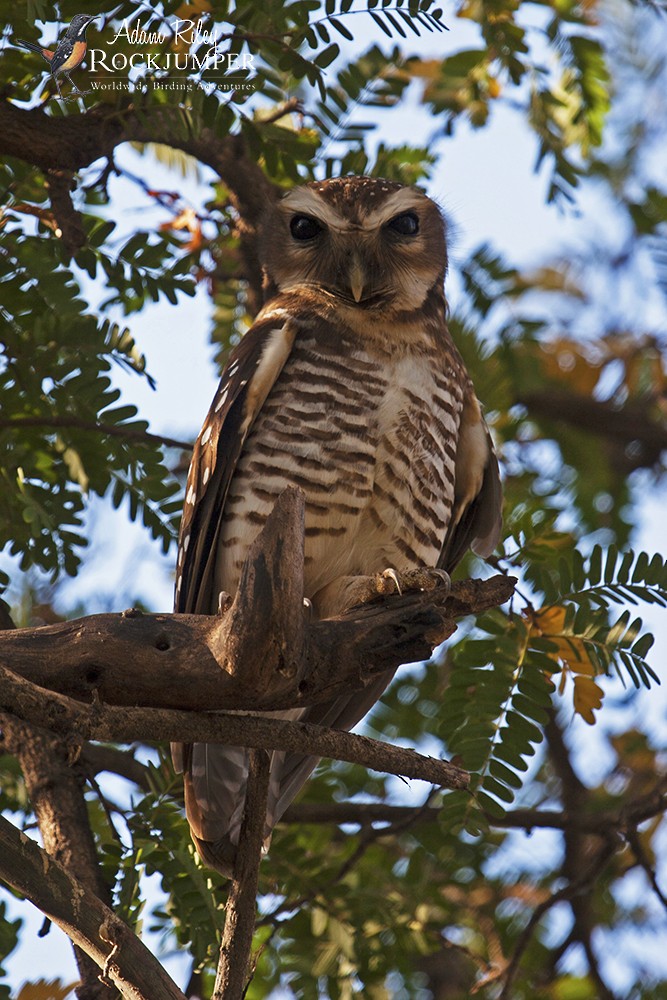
357	278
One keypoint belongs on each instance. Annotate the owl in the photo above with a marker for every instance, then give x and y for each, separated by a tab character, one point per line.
348	385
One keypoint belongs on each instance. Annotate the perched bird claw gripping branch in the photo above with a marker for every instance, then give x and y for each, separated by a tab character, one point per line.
348	385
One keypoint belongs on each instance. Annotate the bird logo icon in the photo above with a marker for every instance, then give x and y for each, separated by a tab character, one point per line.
68	53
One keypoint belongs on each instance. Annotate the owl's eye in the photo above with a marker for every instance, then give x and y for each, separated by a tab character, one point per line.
405	224
303	227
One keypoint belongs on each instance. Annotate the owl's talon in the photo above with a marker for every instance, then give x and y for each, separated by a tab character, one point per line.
391	574
422	578
224	601
308	607
426	578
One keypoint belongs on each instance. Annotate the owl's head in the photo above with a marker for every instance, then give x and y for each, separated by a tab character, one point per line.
371	243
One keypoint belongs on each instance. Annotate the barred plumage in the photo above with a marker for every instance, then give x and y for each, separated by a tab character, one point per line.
348	385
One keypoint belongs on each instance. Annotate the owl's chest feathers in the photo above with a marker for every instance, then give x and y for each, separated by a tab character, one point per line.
370	437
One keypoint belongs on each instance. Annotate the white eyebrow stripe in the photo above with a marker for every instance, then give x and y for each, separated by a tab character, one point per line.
400	201
310	203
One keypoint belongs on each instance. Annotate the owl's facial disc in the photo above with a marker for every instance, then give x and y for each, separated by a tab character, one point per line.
372	244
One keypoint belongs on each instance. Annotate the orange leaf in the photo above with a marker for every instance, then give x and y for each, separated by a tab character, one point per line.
571	651
587	698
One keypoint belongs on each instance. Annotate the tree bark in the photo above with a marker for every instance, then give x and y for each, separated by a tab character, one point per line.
233	968
91	925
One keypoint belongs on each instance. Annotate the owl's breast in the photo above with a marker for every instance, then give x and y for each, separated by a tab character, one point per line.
317	429
407	518
370	440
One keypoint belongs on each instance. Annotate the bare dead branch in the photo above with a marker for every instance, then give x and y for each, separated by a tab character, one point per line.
233	967
91	925
172	661
69	718
267	614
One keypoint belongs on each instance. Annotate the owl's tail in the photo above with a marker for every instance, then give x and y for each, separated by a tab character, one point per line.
215	778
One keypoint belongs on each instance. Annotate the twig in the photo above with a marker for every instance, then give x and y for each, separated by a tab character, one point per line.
112	430
291	105
233	967
566	893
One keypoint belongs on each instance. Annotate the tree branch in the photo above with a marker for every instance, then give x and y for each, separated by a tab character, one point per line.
620	425
68	144
55	787
170	661
91	925
259	653
233	967
70	223
623	820
568	892
71	719
112	430
95	759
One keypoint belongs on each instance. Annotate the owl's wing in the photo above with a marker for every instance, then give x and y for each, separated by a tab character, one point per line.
476	520
251	371
253	367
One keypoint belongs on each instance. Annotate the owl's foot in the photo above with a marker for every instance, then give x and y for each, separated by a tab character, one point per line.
422	578
350	591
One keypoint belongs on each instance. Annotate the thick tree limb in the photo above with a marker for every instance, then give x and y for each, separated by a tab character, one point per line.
75	141
55	787
233	968
172	661
270	659
91	925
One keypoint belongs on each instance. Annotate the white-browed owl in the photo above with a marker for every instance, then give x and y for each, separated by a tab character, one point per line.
348	385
